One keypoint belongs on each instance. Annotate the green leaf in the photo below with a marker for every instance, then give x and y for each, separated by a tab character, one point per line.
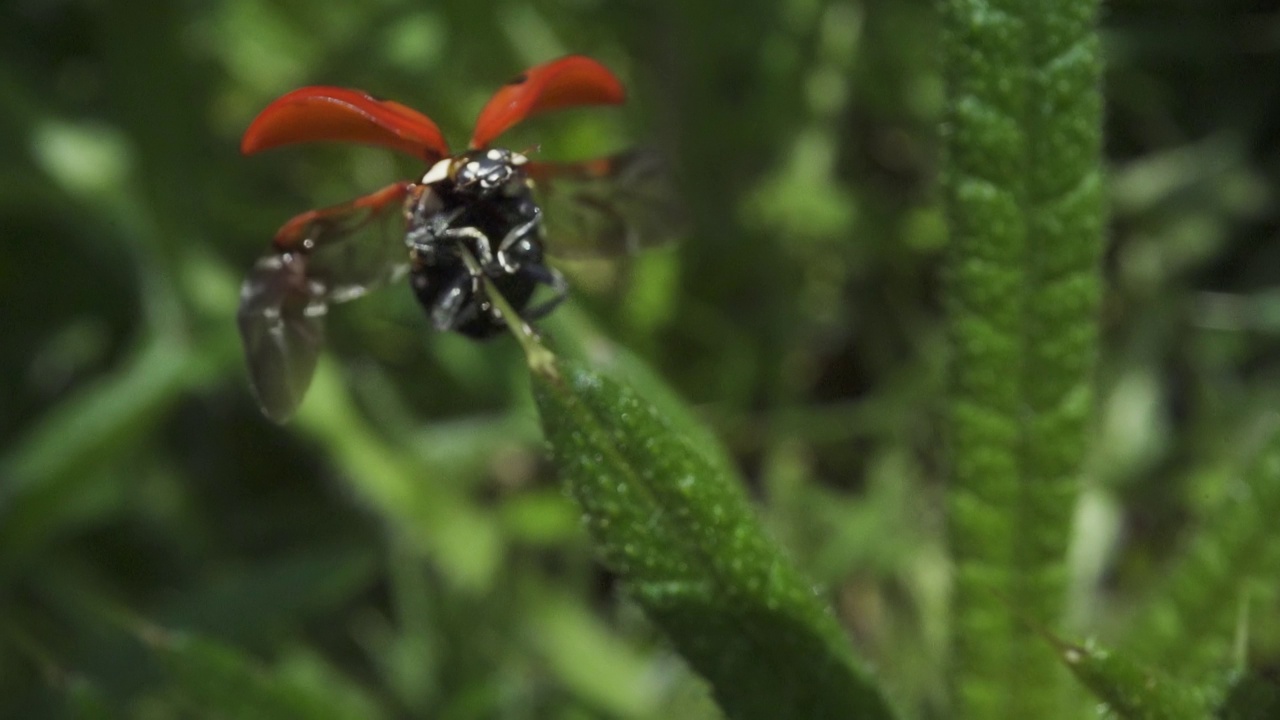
1025	200
578	338
683	536
1130	690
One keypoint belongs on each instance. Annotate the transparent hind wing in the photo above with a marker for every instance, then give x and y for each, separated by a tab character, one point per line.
317	259
610	206
281	320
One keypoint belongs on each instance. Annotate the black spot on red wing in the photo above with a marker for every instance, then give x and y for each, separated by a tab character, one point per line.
520	79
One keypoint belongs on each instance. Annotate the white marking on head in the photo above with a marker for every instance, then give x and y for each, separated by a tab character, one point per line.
494	154
438	172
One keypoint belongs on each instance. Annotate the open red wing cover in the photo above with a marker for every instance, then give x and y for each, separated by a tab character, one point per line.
568	82
319	113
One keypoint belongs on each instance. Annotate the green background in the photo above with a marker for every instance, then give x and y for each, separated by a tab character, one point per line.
402	548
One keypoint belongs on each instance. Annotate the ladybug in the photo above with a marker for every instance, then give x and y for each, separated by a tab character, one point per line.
475	223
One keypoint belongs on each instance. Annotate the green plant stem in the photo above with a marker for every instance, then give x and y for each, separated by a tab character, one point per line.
1025	205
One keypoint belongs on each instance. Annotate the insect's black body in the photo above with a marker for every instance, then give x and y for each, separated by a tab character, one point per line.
477	216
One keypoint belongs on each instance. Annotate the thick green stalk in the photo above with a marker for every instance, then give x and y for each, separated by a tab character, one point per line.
1025	204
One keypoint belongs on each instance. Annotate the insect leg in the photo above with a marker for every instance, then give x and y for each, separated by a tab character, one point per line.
483	252
513	236
551	278
445	314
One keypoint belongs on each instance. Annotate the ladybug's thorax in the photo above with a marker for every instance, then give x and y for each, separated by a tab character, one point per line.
475	215
481	173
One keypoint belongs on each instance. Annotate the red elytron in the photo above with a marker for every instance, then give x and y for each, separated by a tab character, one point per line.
474	223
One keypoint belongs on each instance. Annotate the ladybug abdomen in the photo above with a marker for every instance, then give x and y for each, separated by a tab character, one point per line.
440	276
475	319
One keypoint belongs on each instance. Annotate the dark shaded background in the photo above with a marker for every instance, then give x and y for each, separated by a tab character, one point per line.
401	549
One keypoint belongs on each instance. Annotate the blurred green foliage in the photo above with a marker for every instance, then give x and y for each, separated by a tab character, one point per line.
402	549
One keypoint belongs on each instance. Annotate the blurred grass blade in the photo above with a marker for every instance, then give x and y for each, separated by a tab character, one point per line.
86	701
1130	690
436	515
285	590
1191	617
1251	696
586	657
45	472
79	697
683	536
219	680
